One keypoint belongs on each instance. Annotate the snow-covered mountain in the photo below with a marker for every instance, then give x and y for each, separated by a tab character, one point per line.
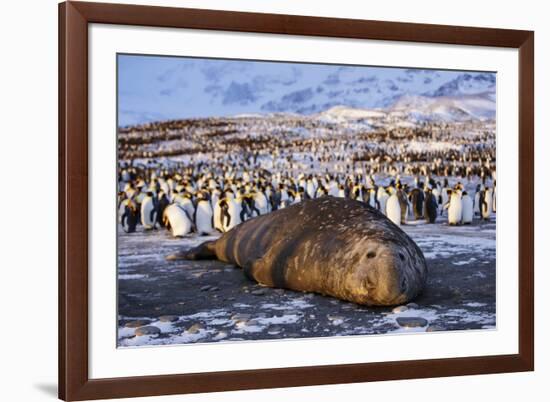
447	108
467	84
345	113
161	88
418	109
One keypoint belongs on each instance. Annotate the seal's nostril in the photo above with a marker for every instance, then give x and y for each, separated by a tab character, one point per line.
372	279
402	256
371	254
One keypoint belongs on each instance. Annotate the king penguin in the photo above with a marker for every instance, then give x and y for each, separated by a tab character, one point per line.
455	208
130	216
382	197
341	191
477	202
467	208
177	220
487	204
260	201
148	211
333	188
162	203
403	203
203	215
416	197
232	215
393	209
430	206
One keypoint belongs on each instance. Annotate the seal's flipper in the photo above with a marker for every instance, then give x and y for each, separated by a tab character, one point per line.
253	269
204	251
269	269
258	270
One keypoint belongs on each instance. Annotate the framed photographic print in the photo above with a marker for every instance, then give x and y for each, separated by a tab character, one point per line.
259	200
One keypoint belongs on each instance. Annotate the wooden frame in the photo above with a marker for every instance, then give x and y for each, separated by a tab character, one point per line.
74	17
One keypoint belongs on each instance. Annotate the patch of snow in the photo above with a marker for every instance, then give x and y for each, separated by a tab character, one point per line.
138	340
285	319
165	327
475	304
241	305
215	313
124	332
132	276
464	262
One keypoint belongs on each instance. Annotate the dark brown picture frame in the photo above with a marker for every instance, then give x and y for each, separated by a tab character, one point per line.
74	382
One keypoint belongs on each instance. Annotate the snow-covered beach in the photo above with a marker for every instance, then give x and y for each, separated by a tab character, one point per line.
209	301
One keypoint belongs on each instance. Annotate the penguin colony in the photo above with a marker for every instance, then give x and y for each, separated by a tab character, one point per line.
208	175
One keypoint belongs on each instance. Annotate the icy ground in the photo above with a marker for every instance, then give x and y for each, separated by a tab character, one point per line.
181	302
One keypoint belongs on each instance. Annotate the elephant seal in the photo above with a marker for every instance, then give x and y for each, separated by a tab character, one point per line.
332	246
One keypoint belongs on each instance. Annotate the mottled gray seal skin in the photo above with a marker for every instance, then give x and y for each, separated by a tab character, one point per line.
332	246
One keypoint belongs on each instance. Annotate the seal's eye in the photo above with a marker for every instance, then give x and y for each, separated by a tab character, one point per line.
371	254
402	256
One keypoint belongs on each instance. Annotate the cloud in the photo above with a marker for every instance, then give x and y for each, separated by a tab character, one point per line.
170	73
239	93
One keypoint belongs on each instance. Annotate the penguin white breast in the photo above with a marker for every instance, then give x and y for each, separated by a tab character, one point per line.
455	209
393	210
467	209
147	218
180	224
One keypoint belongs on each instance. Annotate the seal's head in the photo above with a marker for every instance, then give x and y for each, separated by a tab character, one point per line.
386	273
